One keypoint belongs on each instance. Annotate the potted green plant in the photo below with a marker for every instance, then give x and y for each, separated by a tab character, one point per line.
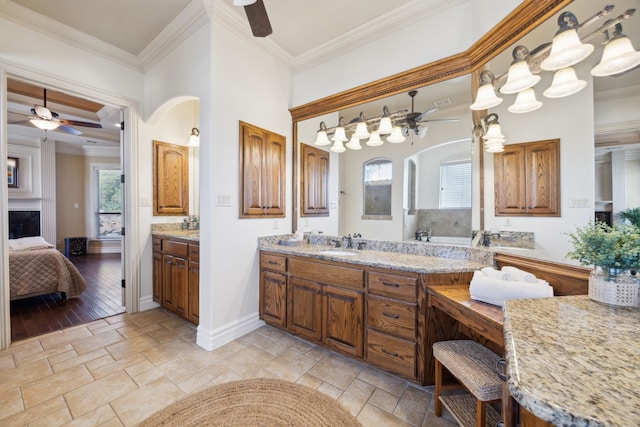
632	215
615	254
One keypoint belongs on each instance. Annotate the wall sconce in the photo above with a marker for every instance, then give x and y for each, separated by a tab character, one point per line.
194	138
618	56
566	48
490	131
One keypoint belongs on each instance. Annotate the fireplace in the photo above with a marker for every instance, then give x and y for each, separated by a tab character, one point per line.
24	224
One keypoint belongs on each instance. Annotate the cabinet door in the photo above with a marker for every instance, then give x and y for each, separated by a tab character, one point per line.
181	286
343	326
193	313
157	277
170	179
305	308
274	170
168	273
273	298
543	189
314	196
509	176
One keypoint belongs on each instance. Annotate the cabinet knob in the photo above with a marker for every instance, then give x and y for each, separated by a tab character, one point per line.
318	292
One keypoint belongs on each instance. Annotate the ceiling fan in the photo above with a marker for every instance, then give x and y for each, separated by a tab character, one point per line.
45	119
257	16
412	121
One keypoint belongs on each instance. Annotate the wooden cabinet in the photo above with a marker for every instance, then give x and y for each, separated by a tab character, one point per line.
170	179
273	289
527	179
262	173
176	276
314	196
392	319
326	304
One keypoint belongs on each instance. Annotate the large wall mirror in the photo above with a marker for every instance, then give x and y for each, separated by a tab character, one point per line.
575	120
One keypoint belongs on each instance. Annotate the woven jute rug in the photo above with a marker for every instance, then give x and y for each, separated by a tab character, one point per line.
254	402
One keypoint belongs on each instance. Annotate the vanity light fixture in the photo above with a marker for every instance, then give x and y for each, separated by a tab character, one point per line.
618	56
490	131
194	138
354	143
322	138
486	97
396	136
374	139
566	49
339	134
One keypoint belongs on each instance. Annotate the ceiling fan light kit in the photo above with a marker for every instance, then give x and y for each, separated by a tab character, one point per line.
566	49
44	124
395	126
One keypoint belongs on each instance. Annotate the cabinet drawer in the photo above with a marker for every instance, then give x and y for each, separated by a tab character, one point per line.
393	286
392	317
327	273
273	262
171	247
194	252
391	353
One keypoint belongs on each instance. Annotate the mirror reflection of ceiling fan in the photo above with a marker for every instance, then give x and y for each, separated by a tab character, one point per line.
416	121
257	16
45	119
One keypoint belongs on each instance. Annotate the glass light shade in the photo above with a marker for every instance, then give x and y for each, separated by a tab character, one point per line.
396	136
243	2
44	124
566	50
618	56
361	131
525	102
194	138
374	140
337	147
565	83
494	133
322	138
340	135
519	78
385	126
494	148
485	98
354	143
422	131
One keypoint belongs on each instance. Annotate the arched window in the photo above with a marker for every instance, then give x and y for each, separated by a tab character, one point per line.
377	175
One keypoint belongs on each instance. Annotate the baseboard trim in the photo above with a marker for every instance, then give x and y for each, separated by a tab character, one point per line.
210	339
147	303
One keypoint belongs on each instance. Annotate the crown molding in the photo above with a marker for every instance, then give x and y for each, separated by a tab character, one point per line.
48	27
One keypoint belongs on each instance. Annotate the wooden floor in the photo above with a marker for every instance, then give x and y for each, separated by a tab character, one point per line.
47	313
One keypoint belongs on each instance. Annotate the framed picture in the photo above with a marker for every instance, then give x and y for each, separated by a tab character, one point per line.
12	172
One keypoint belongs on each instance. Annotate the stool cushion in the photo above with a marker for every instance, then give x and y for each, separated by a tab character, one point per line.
473	365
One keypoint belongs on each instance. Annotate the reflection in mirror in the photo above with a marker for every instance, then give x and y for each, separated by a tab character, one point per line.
598	128
444	100
377	188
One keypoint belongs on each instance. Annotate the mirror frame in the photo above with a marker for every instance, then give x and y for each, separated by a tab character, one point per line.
523	19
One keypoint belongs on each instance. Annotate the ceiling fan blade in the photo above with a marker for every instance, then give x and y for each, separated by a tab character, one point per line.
441	120
258	19
79	123
429	111
69	129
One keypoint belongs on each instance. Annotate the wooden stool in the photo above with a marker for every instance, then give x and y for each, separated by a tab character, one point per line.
474	366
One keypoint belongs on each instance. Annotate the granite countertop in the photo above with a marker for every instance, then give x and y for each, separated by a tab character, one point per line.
574	362
193	235
392	260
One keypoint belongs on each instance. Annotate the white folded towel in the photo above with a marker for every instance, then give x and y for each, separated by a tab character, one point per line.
29	244
519	275
496	274
495	291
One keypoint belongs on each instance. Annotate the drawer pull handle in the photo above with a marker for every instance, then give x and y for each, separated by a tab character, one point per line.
393	285
393	316
272	262
389	353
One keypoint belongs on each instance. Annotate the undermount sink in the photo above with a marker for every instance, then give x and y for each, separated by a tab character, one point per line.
337	253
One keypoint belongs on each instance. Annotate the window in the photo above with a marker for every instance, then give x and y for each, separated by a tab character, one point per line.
455	185
377	189
109	203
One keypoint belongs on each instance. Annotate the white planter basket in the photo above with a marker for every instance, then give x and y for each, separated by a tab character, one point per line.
614	293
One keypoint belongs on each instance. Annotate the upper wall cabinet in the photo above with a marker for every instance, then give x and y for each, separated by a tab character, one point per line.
170	179
262	173
527	179
315	182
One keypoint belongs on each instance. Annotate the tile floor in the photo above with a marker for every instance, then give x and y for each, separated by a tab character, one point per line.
119	370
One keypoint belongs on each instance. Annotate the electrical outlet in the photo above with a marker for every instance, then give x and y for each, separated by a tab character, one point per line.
275	224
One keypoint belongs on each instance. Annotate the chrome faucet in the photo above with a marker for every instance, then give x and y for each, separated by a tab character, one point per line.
485	238
349	240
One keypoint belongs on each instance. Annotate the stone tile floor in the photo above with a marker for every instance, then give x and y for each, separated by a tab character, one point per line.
119	370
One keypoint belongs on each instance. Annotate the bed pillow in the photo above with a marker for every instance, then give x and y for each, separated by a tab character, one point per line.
29	243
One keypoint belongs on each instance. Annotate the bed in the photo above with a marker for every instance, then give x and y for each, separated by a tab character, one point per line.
37	268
